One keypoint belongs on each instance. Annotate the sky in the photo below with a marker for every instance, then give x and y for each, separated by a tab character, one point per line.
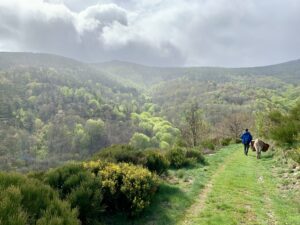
230	33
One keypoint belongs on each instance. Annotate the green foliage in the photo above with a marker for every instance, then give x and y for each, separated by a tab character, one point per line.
164	145
195	154
140	141
183	157
121	153
225	141
156	161
81	137
177	158
161	132
53	110
83	190
209	144
11	212
285	128
125	187
28	201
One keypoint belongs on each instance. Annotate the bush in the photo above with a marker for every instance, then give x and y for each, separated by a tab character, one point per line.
285	128
286	133
121	153
177	158
81	188
225	141
126	187
156	161
28	201
209	144
182	157
237	141
195	154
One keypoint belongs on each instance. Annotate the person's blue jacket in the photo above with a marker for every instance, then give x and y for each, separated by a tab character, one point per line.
246	137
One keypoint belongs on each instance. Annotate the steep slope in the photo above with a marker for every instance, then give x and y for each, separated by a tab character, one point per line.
54	109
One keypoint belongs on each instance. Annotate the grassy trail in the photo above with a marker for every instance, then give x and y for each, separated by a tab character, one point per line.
242	191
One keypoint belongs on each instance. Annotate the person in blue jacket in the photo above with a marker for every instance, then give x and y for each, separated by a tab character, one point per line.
246	139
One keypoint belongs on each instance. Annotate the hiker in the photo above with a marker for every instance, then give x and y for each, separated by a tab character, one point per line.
246	139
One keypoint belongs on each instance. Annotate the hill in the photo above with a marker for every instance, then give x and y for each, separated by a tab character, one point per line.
146	75
54	109
219	91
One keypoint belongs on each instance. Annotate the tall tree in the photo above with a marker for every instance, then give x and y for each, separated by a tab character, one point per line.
195	127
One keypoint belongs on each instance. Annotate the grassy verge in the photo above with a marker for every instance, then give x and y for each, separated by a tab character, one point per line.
246	192
178	192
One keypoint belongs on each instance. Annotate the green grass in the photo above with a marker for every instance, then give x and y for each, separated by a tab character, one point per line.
244	191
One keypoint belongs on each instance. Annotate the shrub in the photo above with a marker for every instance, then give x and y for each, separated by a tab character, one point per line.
225	141
126	187
28	201
81	188
121	153
285	128
182	157
209	144
156	161
286	133
195	154
237	141
177	157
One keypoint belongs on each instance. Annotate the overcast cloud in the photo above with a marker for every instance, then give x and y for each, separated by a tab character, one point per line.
155	32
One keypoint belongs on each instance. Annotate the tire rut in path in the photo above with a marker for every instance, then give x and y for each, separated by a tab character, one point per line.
198	206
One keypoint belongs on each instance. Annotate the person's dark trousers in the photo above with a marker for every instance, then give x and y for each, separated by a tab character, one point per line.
246	148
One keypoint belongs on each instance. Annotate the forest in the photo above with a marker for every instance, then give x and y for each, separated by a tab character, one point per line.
77	136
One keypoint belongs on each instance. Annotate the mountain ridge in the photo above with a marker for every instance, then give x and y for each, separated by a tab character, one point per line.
116	62
143	76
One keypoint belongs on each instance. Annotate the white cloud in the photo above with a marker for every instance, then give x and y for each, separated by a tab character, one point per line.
156	32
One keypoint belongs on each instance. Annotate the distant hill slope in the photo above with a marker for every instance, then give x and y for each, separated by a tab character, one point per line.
12	59
145	75
68	68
